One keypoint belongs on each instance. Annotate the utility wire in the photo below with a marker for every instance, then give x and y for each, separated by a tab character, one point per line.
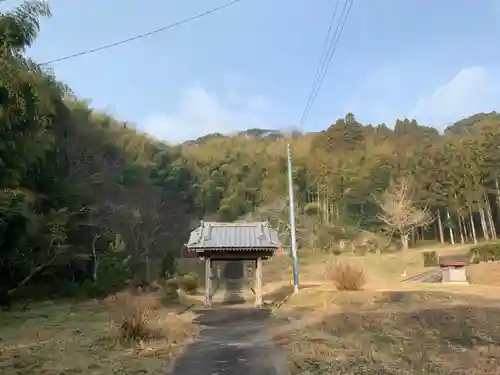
322	59
332	48
331	51
326	63
144	35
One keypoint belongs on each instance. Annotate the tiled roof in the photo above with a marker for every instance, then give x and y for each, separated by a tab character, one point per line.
244	236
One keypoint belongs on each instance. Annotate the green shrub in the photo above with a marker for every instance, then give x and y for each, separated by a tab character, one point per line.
430	259
113	275
169	264
170	291
95	290
311	209
485	253
188	283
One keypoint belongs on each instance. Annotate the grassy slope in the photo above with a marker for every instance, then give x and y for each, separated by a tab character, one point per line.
389	325
383	269
394	333
390	328
64	338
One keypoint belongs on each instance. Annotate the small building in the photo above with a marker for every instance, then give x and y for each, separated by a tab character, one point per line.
242	241
454	271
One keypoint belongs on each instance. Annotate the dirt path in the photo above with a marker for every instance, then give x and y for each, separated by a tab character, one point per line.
431	276
233	341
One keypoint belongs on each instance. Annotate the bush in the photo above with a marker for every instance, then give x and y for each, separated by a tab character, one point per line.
113	276
134	325
170	291
132	315
169	264
311	209
95	290
485	253
188	283
345	276
430	259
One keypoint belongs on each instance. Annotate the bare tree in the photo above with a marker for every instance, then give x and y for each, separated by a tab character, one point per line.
399	213
276	214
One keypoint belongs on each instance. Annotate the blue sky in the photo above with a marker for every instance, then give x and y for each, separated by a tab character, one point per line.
252	65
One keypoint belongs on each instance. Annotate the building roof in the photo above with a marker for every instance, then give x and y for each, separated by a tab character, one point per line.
233	236
453	263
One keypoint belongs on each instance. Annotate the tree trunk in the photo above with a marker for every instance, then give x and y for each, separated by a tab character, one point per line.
320	208
484	227
490	217
497	186
325	209
148	271
329	207
404	241
33	273
460	230
450	229
465	229
440	227
95	266
472	226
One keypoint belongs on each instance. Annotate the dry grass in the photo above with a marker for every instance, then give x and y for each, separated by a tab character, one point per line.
124	334
133	317
484	273
345	276
394	332
380	270
390	327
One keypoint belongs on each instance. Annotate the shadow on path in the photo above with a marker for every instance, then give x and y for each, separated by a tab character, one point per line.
233	291
233	341
233	280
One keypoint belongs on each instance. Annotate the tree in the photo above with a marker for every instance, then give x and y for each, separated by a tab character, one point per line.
399	213
63	165
70	170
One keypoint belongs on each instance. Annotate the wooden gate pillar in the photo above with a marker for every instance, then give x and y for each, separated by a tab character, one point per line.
208	282
258	282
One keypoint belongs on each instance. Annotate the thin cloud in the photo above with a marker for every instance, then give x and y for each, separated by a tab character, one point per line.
471	90
201	112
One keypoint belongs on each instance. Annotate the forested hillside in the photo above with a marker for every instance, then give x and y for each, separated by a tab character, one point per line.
83	196
340	172
90	200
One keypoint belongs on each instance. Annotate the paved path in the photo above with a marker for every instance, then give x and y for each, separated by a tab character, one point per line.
233	341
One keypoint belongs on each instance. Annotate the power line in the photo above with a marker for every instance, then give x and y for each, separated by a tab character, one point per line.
322	59
333	47
144	35
326	63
